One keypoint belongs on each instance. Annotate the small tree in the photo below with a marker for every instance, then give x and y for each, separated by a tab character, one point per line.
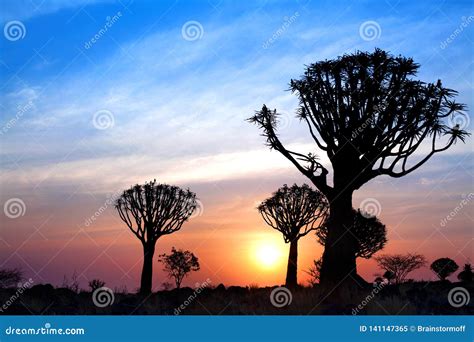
444	267
151	211
294	211
179	264
314	272
10	277
95	284
466	274
370	234
400	265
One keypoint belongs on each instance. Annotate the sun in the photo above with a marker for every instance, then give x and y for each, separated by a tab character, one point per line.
267	255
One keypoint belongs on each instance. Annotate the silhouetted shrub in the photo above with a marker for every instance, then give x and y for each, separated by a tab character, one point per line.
10	277
466	274
94	284
444	267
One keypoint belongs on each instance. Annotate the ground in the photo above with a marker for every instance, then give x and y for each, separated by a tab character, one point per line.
415	298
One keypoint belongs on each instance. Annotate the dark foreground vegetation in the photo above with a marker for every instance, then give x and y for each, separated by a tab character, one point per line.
412	298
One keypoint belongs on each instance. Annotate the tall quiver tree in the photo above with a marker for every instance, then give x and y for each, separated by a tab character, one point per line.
150	211
369	115
294	211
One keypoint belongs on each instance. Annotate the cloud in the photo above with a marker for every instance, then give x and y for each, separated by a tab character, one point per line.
27	9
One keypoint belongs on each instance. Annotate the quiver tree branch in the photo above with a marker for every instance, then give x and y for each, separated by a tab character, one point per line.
308	165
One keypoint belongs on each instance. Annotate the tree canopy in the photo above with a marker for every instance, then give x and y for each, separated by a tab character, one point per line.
444	267
179	264
294	211
400	265
369	232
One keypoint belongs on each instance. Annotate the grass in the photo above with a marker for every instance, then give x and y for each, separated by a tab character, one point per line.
416	298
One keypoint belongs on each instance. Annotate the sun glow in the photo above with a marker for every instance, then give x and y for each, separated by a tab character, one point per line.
268	255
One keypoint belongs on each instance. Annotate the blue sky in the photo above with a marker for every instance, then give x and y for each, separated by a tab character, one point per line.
179	105
147	75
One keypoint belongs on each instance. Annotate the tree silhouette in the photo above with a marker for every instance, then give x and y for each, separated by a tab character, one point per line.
315	272
400	265
370	234
150	211
389	275
466	274
95	284
444	267
294	211
179	264
369	115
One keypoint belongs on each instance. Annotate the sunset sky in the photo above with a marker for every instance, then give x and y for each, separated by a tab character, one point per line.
176	106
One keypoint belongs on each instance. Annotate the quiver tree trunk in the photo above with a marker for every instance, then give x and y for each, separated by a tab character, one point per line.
292	269
147	271
339	257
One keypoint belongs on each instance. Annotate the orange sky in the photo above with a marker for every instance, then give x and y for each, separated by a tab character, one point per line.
52	240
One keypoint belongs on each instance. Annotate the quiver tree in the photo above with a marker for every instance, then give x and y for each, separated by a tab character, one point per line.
444	267
179	264
369	115
369	233
150	211
294	211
